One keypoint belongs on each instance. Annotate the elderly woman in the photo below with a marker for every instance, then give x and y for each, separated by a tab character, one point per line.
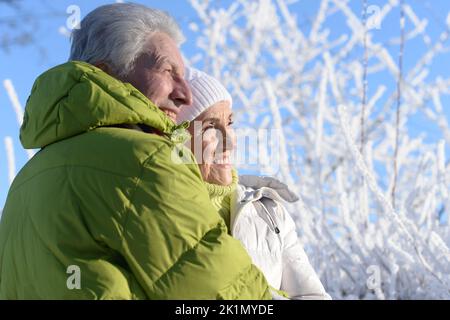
251	206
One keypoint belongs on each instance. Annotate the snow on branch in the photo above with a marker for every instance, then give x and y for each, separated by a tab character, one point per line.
291	72
9	148
7	83
17	107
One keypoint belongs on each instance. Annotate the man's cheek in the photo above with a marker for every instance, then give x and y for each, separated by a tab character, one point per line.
156	92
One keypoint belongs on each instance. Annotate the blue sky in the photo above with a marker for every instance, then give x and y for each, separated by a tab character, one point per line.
23	64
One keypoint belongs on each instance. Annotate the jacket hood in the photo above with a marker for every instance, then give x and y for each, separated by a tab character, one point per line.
76	97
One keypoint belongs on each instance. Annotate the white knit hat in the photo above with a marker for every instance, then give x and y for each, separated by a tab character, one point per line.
206	91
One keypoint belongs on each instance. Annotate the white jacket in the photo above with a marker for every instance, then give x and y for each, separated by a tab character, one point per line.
260	221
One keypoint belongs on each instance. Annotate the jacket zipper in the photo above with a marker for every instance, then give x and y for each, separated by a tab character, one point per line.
274	225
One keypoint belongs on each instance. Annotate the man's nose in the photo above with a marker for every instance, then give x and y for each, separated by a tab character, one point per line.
181	93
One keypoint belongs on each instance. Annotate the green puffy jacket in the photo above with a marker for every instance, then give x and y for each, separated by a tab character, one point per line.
101	212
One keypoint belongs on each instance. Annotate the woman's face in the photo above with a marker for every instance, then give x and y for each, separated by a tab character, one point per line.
213	142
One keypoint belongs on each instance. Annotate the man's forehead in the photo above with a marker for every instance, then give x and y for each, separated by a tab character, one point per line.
164	45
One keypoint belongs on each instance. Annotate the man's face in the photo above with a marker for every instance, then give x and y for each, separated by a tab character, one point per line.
159	74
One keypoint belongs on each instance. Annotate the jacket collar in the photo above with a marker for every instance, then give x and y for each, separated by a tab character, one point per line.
268	187
253	188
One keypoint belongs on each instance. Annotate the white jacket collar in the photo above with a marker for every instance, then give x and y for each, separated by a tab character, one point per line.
252	188
267	187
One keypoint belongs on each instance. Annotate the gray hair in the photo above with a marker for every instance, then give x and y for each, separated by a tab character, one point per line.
116	34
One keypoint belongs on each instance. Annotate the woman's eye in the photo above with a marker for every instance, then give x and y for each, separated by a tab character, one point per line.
207	127
230	123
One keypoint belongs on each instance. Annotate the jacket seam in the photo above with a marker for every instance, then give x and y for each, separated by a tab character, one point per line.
15	188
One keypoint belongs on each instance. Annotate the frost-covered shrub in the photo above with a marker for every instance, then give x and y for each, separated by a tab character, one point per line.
371	231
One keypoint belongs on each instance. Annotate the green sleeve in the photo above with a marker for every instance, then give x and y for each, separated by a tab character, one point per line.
176	243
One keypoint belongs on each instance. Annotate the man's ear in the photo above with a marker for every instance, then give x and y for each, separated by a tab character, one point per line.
104	67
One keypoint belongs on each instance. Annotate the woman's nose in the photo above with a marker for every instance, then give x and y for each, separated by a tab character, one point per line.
229	140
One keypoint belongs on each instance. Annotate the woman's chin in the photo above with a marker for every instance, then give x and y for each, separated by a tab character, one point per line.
225	166
221	174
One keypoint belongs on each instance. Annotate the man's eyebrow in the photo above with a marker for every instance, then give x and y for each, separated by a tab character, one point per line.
160	60
156	60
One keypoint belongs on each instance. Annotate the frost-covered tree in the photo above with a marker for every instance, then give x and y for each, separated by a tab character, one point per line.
373	214
19	23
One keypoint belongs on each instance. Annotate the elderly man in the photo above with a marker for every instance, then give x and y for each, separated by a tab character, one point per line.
102	211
